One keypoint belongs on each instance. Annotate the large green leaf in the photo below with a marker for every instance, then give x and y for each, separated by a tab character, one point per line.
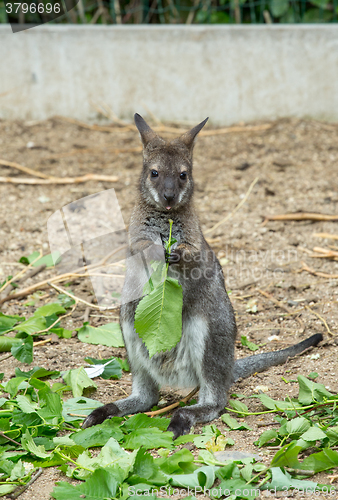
310	391
46	259
24	352
6	343
233	424
49	309
100	486
109	335
282	481
29	445
203	476
7	322
78	380
158	318
79	406
98	435
326	459
150	438
32	325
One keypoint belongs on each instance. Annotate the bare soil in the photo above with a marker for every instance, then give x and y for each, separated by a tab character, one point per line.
296	162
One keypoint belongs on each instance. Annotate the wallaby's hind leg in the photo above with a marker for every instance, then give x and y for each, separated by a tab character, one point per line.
144	395
210	405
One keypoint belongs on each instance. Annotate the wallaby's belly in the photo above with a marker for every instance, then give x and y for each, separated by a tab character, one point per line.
179	367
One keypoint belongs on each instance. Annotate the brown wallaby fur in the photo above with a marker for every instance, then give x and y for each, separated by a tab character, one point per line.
204	356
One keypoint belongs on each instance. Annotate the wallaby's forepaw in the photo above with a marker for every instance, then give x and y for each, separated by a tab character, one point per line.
174	257
180	424
100	414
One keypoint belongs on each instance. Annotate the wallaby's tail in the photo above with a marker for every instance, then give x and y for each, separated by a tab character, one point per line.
247	366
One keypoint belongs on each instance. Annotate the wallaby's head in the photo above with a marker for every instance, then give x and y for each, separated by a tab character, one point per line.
166	180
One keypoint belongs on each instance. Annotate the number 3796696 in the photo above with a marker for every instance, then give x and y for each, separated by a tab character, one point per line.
41	8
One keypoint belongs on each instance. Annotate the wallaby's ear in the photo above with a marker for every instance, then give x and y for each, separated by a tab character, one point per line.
189	137
146	133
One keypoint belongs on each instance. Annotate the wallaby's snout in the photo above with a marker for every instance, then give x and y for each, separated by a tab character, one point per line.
169	193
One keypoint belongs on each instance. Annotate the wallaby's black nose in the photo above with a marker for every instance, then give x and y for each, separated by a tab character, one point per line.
169	197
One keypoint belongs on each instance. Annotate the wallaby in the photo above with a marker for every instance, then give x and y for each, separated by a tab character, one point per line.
204	356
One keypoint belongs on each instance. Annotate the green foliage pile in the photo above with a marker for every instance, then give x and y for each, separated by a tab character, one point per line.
40	429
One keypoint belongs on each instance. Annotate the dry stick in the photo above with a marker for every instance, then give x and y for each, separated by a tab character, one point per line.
282	306
24	488
60	180
236	208
26	170
301	216
77	152
21	273
173	130
326	252
42	342
326	235
321	319
59	319
9	439
86	314
33	272
99	128
262	424
317	273
61	290
174	405
62	277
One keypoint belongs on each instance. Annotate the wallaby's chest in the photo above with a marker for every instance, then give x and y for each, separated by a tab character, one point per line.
159	227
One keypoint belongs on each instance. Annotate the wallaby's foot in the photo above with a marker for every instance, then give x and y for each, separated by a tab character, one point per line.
180	424
100	414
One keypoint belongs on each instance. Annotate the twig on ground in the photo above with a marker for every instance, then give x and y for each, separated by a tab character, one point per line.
77	299
86	314
282	306
88	151
235	209
60	318
174	405
325	252
60	180
266	424
63	277
317	273
118	387
100	128
9	439
163	128
229	130
18	276
41	342
5	357
301	216
26	170
24	488
321	319
326	235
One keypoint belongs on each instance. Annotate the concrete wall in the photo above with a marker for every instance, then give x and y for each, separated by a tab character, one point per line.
230	73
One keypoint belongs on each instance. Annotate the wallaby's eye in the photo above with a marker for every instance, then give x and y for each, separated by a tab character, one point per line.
183	175
154	173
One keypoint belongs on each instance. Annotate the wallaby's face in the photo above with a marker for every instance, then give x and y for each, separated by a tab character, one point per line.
166	180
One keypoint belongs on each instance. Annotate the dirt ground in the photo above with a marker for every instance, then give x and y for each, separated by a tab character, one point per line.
296	163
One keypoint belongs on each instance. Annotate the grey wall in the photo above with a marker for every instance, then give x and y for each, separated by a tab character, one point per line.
230	73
